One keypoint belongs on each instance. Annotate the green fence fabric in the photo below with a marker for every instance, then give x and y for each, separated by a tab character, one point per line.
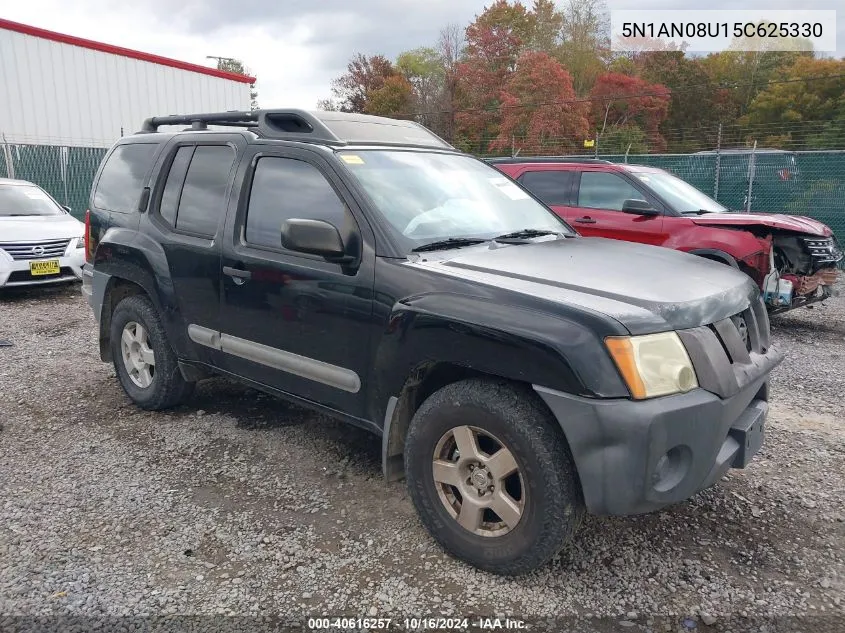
66	173
801	183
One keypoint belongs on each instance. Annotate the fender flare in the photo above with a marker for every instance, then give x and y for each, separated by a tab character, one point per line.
716	254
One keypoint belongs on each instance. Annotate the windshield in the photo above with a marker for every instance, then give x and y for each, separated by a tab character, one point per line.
18	200
428	196
680	195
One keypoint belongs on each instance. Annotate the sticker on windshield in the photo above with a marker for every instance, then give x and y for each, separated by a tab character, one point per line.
508	188
352	159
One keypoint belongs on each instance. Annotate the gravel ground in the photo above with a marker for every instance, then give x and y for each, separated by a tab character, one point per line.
239	504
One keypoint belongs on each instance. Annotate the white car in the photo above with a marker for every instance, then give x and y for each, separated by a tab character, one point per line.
40	242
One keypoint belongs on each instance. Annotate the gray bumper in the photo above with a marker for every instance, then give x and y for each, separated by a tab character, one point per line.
635	457
94	285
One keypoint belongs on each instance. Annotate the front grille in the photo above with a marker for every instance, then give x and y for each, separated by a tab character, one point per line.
48	249
724	359
823	250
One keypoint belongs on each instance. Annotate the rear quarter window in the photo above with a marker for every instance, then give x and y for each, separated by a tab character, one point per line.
122	178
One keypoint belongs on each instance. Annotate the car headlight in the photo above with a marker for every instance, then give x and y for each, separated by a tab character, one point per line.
653	365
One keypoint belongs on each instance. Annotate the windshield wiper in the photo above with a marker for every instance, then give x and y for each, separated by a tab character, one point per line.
699	212
526	234
452	242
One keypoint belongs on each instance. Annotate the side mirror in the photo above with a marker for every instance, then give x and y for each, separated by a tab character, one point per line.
638	207
315	237
67	208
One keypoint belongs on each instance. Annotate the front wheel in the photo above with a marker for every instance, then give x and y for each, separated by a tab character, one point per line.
491	476
143	359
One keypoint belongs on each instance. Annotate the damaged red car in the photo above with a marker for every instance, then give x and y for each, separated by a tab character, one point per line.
792	258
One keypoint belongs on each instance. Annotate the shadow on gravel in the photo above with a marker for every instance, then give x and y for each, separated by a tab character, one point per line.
41	293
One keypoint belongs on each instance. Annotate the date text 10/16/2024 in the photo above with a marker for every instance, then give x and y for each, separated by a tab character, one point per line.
417	624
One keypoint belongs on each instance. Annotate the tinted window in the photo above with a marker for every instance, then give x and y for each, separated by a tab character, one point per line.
285	188
601	190
203	197
550	186
119	187
173	186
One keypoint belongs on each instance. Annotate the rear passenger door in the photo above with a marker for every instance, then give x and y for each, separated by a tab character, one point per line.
187	208
552	186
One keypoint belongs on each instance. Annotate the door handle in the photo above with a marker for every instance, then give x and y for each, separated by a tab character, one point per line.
239	276
585	220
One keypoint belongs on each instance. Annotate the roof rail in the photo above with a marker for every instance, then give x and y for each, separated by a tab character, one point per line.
545	159
331	128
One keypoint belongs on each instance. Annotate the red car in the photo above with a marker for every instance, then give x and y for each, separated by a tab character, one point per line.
792	258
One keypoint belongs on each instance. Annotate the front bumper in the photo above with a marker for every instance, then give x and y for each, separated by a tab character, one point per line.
634	457
16	273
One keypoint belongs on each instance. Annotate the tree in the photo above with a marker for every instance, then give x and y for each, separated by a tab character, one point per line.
546	26
364	76
621	100
539	107
236	66
393	99
424	69
493	43
586	43
450	48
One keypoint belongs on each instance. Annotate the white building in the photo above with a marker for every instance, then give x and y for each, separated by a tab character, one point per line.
67	91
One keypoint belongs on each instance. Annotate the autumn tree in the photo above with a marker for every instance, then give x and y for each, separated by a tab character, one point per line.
364	76
425	71
546	26
539	107
493	43
622	101
394	98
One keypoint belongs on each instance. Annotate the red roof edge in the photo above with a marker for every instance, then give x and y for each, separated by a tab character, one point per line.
123	52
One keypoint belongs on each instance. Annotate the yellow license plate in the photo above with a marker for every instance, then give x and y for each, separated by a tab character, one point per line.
46	267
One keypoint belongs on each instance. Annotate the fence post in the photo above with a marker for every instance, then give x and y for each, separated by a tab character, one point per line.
751	169
597	144
718	164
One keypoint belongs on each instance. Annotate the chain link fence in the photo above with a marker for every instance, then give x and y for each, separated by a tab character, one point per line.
66	173
810	183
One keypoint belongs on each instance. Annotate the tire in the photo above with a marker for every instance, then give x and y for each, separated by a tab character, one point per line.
166	387
503	416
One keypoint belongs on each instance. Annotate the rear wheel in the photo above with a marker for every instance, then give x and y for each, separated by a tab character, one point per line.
491	476
143	359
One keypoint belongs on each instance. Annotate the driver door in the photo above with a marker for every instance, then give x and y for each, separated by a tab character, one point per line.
297	322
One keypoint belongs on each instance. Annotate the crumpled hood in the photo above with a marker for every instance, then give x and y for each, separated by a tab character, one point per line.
39	228
646	288
797	223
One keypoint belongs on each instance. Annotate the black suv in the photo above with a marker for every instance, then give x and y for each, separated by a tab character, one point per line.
516	373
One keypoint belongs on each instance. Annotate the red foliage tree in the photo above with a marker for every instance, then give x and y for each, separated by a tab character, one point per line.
364	76
539	107
621	100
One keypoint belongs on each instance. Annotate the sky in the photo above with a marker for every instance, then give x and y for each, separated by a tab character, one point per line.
294	47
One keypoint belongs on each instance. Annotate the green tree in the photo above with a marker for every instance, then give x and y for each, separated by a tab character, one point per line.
425	71
586	45
237	66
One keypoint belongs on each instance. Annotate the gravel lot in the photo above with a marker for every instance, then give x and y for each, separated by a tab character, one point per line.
239	504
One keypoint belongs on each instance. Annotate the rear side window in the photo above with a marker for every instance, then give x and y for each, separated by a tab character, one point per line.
285	188
552	187
122	178
194	196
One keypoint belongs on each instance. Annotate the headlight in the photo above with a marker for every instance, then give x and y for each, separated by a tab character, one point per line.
653	365
80	242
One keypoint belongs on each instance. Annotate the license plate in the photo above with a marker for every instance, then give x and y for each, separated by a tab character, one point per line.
45	267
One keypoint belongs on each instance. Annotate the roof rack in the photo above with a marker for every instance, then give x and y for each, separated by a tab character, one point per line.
330	128
546	159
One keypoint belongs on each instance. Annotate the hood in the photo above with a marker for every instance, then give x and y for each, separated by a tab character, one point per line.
33	228
796	223
645	288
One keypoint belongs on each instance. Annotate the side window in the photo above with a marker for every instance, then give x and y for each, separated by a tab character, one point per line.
122	178
285	188
203	198
173	185
552	187
602	190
